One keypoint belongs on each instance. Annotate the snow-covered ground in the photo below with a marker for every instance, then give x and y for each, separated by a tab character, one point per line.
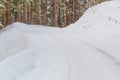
86	50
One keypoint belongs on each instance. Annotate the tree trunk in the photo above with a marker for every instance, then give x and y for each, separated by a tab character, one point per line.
65	13
5	18
56	12
40	12
25	11
74	9
45	15
52	8
5	15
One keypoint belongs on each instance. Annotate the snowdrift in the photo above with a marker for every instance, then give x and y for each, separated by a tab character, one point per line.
86	50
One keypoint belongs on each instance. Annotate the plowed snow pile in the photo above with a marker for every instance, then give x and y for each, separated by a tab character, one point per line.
86	50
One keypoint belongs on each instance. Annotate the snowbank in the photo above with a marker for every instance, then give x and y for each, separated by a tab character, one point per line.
104	16
86	50
11	42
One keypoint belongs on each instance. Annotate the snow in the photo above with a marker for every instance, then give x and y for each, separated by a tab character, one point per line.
86	50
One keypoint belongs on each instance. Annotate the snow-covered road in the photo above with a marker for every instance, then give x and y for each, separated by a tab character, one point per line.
86	50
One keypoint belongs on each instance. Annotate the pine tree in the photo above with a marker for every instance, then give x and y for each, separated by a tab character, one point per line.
39	8
65	13
25	11
74	10
56	12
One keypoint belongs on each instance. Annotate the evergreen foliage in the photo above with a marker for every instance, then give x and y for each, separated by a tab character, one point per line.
46	12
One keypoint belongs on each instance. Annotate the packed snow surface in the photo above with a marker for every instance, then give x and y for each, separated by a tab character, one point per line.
86	50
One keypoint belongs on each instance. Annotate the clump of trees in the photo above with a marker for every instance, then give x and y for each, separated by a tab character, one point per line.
46	12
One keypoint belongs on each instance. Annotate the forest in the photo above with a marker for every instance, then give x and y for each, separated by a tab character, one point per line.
58	13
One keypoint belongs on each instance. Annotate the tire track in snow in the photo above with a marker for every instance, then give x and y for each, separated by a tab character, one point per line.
69	40
74	41
70	60
101	51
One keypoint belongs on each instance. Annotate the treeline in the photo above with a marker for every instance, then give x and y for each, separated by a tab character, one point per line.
45	12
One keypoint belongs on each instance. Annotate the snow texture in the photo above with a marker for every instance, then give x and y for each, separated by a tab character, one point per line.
86	50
